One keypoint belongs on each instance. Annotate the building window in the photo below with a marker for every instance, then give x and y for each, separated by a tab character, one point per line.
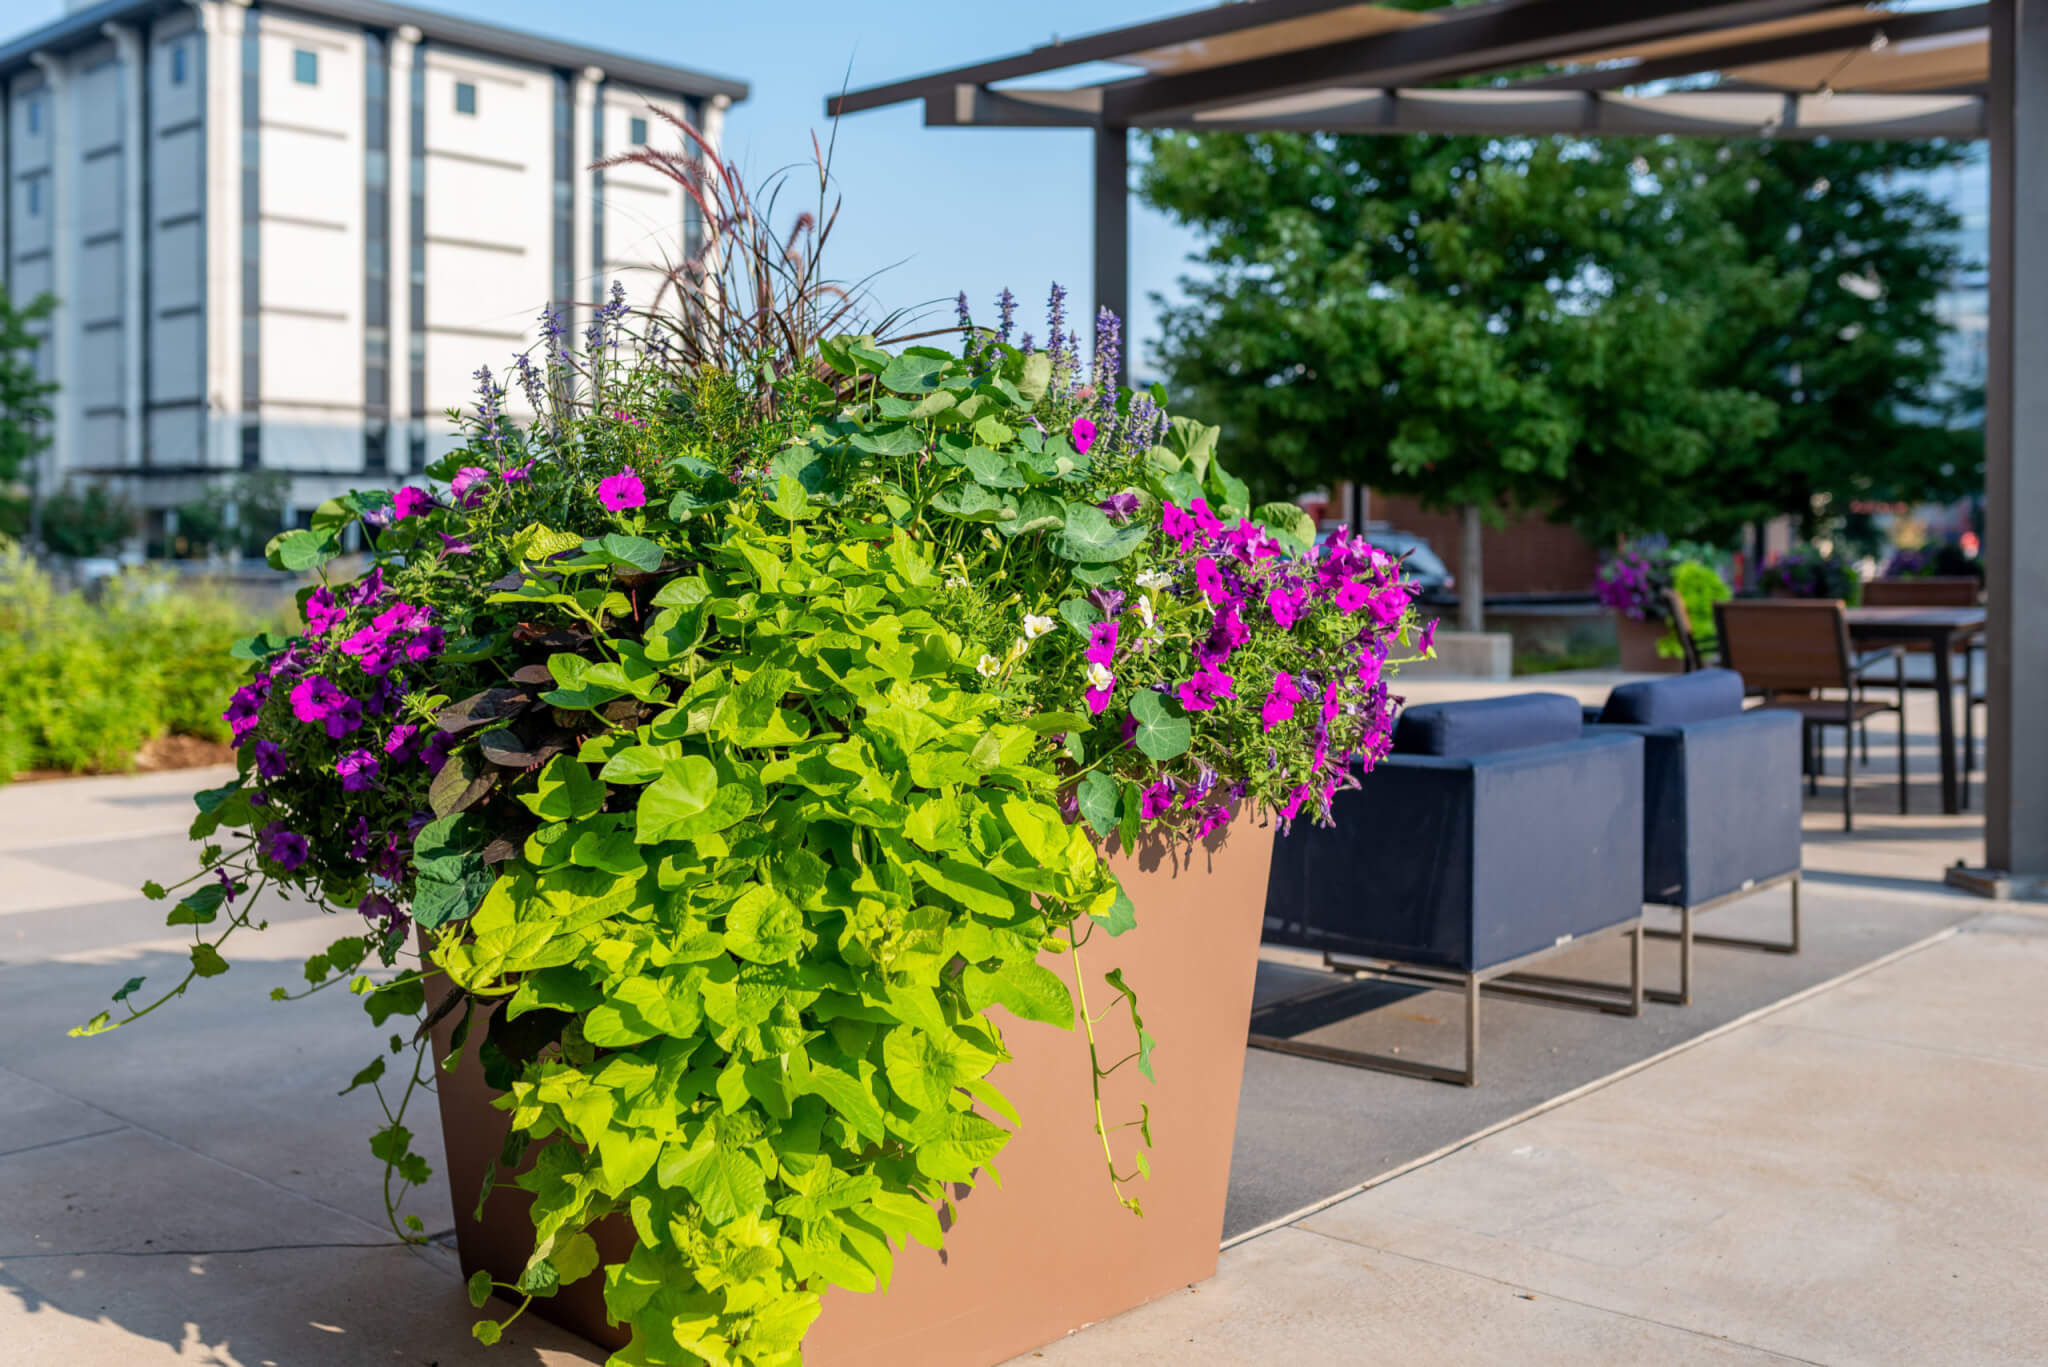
178	64
376	456
636	132
465	98
35	115
35	199
306	67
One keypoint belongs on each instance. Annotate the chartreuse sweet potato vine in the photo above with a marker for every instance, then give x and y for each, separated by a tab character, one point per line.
737	756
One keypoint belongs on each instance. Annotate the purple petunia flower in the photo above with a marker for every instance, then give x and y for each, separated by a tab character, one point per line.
1208	687
1213	819
435	753
622	491
380	910
1157	800
1108	601
323	614
1388	604
1209	579
1280	701
399	743
316	699
287	849
468	485
455	545
270	761
1427	641
1121	506
358	771
242	712
411	502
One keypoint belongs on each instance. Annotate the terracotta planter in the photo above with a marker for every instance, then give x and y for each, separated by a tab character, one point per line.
1050	1250
1639	646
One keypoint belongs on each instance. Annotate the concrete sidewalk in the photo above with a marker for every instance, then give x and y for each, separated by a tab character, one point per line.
1854	1178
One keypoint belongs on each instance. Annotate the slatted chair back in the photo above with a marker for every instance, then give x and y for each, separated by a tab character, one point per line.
1681	624
1959	591
1786	645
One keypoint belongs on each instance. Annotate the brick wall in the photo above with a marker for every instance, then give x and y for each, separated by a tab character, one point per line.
1528	555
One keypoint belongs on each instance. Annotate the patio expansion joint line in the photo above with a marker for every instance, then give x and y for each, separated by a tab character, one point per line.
161	1137
1533	1291
68	1139
1937	1049
1587	1089
6	1258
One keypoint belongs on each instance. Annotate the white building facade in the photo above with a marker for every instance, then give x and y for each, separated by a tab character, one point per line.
284	237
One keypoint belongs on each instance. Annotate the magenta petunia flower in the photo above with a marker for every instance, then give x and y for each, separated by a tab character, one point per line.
1351	596
1209	579
323	614
270	761
622	491
1428	638
517	473
358	770
1101	644
1205	520
1206	689
1157	800
1280	701
1084	435
411	502
287	849
1213	819
1286	601
242	713
399	743
468	485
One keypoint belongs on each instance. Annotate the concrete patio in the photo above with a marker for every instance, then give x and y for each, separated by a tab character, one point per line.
1832	1158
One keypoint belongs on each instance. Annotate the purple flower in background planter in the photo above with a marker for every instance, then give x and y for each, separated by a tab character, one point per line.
287	849
1084	435
468	485
411	502
622	491
270	762
358	770
1120	507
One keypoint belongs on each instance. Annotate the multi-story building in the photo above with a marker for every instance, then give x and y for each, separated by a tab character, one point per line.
283	236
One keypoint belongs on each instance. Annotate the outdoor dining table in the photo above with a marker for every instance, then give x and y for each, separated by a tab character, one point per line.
1938	628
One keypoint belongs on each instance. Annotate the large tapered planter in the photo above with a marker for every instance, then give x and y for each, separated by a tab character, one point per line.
1050	1250
1639	646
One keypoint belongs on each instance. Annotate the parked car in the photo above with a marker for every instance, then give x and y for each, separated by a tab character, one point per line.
1422	565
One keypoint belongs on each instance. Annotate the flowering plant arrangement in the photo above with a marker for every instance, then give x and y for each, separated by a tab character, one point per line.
1951	558
732	740
1637	581
1807	571
1633	583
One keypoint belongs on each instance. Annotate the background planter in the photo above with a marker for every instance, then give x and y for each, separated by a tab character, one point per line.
1050	1250
1639	646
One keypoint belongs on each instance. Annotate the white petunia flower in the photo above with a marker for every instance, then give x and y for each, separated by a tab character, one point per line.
954	581
1036	626
1155	579
1100	677
989	667
1145	610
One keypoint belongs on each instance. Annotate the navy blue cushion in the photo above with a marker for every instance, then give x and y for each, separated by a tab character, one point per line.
1700	696
1482	726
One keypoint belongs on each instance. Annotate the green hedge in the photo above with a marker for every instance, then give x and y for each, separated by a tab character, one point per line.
91	680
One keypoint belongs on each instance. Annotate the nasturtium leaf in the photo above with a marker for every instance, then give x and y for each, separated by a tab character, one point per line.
1036	512
300	550
913	374
207	962
1081	615
365	1076
1090	538
1163	731
479	1288
1288	519
973	503
576	1257
261	646
1098	797
1036	376
990	468
128	989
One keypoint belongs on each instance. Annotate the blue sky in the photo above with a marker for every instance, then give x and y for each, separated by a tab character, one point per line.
971	209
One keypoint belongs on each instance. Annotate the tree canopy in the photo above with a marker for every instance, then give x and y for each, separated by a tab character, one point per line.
24	397
1620	334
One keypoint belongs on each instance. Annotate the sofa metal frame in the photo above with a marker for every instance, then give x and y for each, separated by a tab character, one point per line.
1508	978
1687	937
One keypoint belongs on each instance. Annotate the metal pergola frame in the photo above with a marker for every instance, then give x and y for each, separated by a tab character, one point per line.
1385	76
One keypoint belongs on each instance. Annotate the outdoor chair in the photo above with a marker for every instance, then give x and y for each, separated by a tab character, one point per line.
1681	626
1720	803
1494	836
1957	591
1792	651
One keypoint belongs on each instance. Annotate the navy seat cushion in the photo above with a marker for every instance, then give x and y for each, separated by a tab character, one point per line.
1482	726
1700	696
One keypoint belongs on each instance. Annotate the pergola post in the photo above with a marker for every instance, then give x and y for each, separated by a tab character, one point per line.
2016	445
1113	231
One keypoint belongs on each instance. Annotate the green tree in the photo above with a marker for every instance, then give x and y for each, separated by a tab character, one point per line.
1854	367
24	397
1483	324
